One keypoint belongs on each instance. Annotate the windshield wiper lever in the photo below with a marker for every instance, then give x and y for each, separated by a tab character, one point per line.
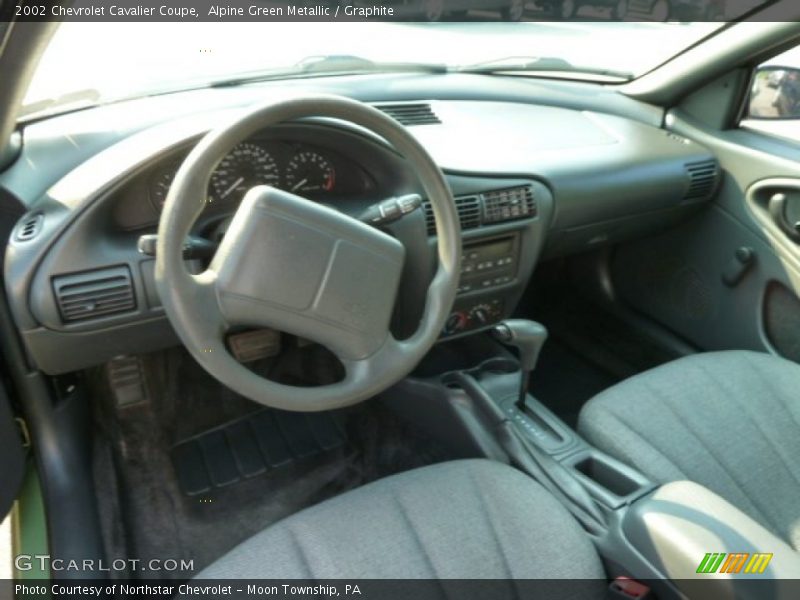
391	210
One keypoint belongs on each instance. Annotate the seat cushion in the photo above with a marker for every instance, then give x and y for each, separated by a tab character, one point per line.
727	420
464	519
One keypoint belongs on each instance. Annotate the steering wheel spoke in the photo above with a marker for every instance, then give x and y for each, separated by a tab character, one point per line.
207	298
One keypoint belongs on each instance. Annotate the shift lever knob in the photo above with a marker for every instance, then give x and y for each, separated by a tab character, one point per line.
527	337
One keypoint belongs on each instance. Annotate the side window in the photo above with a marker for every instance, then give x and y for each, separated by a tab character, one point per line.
773	106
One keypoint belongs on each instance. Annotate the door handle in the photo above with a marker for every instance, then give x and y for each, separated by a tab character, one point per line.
785	212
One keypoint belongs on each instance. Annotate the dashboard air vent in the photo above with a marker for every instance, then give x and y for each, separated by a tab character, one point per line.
93	294
702	179
469	213
410	114
29	227
508	204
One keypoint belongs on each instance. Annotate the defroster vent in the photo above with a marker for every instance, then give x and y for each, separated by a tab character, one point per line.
29	227
410	114
92	294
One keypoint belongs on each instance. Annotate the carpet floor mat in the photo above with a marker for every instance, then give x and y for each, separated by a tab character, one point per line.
589	349
252	446
192	470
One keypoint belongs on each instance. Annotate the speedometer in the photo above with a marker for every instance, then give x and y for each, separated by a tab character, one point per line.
310	171
245	167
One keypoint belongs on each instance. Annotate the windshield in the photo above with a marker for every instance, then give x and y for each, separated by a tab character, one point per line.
92	62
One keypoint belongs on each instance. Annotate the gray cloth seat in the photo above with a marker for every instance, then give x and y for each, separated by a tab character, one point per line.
729	421
471	519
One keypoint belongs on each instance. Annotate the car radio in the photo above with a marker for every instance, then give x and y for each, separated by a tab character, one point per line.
489	264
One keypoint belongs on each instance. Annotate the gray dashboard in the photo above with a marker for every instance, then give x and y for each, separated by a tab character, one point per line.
583	176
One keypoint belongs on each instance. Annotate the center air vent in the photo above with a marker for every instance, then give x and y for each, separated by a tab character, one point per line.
93	294
410	114
469	213
702	179
508	205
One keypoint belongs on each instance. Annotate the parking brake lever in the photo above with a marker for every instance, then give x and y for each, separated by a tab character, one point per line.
527	337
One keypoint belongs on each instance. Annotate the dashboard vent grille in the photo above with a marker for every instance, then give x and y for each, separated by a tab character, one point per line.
410	114
469	213
94	294
29	227
702	179
508	205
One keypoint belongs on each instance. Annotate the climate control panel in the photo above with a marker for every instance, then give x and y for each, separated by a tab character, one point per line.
472	316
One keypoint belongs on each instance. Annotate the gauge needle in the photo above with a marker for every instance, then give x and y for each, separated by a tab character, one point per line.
299	184
235	185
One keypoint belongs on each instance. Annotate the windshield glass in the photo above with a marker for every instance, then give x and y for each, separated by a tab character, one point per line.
91	62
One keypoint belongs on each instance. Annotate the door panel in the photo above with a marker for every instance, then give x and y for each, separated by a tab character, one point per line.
728	278
775	204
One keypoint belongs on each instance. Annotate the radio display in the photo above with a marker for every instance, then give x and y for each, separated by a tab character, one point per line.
492	250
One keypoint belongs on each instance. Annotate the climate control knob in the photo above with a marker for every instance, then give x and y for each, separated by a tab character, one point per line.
480	315
455	323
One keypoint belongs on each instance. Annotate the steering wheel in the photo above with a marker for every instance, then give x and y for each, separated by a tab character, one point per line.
291	264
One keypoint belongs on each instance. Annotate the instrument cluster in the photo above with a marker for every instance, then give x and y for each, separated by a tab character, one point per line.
302	169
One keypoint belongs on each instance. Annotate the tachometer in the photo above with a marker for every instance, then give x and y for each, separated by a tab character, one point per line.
309	171
245	167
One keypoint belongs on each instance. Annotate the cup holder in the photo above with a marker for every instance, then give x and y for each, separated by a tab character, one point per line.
489	368
497	366
603	473
451	382
607	479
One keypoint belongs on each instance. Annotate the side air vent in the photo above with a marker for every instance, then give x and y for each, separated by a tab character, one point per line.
508	205
469	214
93	294
29	227
702	179
410	114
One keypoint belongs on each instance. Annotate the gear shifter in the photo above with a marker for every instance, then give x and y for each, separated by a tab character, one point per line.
527	337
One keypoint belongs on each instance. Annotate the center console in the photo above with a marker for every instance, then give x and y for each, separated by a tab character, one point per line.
653	533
